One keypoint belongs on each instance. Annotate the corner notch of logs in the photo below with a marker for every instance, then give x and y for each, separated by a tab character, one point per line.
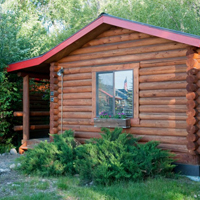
193	93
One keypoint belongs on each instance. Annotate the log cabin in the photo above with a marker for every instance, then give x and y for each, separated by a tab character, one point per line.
115	65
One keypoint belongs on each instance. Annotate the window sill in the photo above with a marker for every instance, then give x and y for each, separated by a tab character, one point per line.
112	122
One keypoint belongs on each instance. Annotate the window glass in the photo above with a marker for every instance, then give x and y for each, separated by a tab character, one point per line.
105	93
124	92
115	92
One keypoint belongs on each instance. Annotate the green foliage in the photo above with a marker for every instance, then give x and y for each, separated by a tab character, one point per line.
114	157
9	100
51	159
118	156
6	145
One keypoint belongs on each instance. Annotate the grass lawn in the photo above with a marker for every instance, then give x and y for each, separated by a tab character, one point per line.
35	188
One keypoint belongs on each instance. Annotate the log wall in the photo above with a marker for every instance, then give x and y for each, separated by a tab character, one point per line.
162	88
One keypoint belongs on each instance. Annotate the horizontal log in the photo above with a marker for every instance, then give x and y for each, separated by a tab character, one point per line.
76	122
192	129
162	70
55	118
33	113
126	51
55	124
174	147
76	89
78	115
193	71
163	85
53	87
191	112
81	128
134	130
55	100
163	93
198	150
54	130
76	70
163	62
117	38
157	131
87	135
165	116
87	82
77	102
191	87
162	124
126	58
191	79
191	95
115	67
192	146
56	93
76	108
119	31
186	158
198	83
55	112
55	81
81	76
32	127
198	142
136	43
144	138
54	105
164	139
198	132
163	77
85	95
163	108
191	104
163	101
192	137
191	121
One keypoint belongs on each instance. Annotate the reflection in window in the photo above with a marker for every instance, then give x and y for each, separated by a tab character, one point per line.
105	93
115	92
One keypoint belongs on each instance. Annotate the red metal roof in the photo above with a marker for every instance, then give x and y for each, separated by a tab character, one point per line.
177	36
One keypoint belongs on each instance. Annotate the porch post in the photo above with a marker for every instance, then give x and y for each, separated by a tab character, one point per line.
26	111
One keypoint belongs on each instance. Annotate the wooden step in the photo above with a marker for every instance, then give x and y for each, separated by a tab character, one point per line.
29	144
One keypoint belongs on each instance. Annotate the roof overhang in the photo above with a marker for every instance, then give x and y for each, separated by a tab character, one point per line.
92	30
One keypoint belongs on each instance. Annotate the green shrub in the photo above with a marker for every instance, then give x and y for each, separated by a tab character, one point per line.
118	156
51	159
114	157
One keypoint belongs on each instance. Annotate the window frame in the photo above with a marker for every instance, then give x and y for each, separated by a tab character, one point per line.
118	67
113	74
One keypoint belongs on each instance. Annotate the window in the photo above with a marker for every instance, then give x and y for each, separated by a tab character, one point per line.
115	89
115	92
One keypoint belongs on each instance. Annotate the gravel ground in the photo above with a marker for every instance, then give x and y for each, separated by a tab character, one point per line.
11	181
7	175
